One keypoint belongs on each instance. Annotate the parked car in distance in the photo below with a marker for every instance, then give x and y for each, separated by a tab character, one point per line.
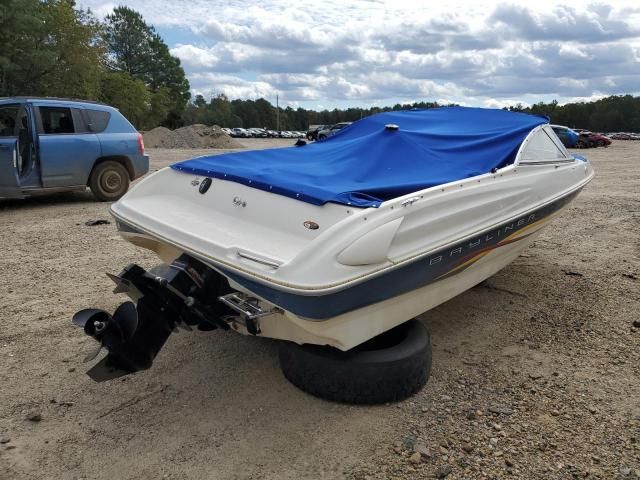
568	137
624	136
240	133
312	133
620	136
600	140
589	140
332	130
50	145
257	132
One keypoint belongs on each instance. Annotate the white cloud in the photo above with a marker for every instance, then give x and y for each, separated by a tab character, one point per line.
507	102
210	84
590	98
360	51
193	57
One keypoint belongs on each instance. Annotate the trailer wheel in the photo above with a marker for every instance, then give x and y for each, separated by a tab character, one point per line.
389	367
109	181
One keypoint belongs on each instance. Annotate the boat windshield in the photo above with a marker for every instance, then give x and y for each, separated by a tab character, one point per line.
543	146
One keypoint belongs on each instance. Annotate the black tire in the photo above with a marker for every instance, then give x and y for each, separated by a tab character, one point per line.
109	181
321	137
387	368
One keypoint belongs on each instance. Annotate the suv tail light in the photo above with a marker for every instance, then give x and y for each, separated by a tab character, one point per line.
140	144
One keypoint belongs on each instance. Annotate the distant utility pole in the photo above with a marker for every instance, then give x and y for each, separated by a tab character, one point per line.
277	114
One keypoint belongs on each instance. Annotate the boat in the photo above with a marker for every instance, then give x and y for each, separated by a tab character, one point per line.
335	242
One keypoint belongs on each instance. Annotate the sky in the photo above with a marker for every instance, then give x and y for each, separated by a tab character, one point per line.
357	53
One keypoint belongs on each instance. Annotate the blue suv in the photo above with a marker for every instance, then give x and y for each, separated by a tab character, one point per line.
51	145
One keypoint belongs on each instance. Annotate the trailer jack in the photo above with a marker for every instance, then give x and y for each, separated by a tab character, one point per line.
183	294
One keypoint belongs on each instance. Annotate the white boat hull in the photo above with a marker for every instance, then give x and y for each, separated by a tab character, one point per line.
356	272
457	266
353	328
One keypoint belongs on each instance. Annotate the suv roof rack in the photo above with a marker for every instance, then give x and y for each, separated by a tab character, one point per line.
62	99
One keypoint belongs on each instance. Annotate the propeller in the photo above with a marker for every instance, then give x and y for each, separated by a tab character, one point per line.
110	331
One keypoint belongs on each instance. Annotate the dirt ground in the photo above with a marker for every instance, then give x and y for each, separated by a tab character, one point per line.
536	371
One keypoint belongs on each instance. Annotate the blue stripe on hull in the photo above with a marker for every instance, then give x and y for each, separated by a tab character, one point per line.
400	280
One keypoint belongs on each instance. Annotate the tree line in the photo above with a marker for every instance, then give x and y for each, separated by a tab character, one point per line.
52	48
617	113
611	114
219	110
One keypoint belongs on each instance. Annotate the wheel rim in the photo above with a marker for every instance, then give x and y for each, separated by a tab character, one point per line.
111	181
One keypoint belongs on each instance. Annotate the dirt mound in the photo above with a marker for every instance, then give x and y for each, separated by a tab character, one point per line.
192	136
156	137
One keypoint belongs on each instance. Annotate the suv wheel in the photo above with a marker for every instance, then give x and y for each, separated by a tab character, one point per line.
109	181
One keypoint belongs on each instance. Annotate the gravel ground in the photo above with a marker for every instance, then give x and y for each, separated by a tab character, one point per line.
535	371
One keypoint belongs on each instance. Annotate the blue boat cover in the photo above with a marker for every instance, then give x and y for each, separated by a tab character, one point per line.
365	164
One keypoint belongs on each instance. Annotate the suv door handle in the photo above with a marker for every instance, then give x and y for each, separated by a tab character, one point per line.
4	147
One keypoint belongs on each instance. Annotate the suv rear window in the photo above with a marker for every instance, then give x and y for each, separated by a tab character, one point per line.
56	120
98	120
